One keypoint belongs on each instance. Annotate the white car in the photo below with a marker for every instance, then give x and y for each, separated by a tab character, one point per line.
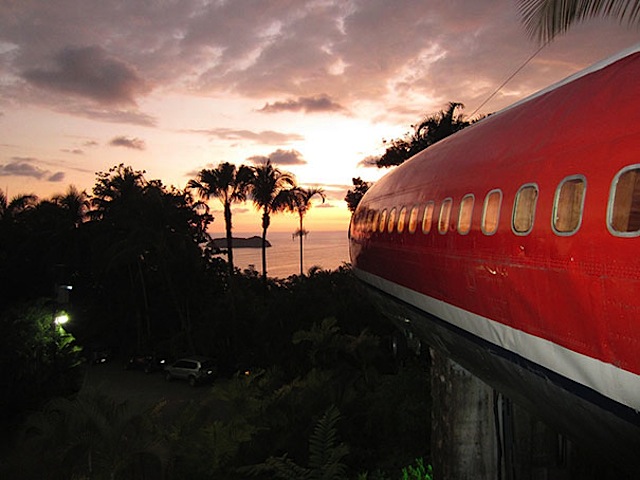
195	370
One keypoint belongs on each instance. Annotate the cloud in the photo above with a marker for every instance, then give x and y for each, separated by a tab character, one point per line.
133	143
315	104
239	210
24	167
75	151
56	177
402	58
91	73
280	157
265	137
111	115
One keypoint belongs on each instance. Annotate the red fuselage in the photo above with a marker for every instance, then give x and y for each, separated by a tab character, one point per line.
514	245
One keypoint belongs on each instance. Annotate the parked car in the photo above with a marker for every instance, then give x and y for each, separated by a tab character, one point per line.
148	363
195	370
98	354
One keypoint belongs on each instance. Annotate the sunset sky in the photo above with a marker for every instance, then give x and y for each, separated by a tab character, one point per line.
175	86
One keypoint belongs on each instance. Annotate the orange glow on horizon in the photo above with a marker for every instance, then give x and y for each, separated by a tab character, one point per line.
318	218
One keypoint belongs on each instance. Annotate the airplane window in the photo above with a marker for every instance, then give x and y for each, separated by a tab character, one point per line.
413	219
402	219
392	220
491	212
623	214
524	209
427	217
568	204
466	213
383	221
356	224
375	220
445	215
368	221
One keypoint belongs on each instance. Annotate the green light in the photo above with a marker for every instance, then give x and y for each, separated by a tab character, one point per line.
61	319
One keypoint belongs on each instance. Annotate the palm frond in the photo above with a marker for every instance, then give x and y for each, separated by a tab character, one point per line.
545	19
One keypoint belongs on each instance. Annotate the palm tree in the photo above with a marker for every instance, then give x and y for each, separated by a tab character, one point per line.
75	203
301	203
271	191
430	130
547	18
229	185
9	209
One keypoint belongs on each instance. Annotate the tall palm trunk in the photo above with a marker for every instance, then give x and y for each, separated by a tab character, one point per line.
265	225
301	232
227	223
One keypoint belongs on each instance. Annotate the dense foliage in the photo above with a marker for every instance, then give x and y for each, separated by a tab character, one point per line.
324	399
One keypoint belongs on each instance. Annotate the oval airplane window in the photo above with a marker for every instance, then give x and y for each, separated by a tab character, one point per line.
623	212
392	220
367	221
568	205
383	221
466	214
491	212
524	209
402	218
413	219
375	220
356	223
427	217
445	215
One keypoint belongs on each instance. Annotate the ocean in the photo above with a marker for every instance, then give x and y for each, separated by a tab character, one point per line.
327	250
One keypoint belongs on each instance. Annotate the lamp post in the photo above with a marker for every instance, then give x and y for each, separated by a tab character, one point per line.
61	318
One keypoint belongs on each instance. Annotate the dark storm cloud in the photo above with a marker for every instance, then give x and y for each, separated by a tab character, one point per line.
266	137
90	72
25	167
133	143
316	104
280	157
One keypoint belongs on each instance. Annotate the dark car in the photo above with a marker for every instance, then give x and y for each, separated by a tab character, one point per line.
148	363
98	354
196	370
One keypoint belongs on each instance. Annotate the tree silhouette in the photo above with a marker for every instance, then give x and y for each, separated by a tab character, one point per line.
147	236
10	209
430	130
354	196
229	185
75	203
300	204
272	192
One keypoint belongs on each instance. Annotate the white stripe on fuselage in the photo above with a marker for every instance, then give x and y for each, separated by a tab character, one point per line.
618	384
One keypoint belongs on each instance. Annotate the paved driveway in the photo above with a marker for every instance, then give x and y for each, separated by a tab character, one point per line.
136	387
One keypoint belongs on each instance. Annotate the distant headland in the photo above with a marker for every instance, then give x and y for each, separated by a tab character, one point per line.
237	242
